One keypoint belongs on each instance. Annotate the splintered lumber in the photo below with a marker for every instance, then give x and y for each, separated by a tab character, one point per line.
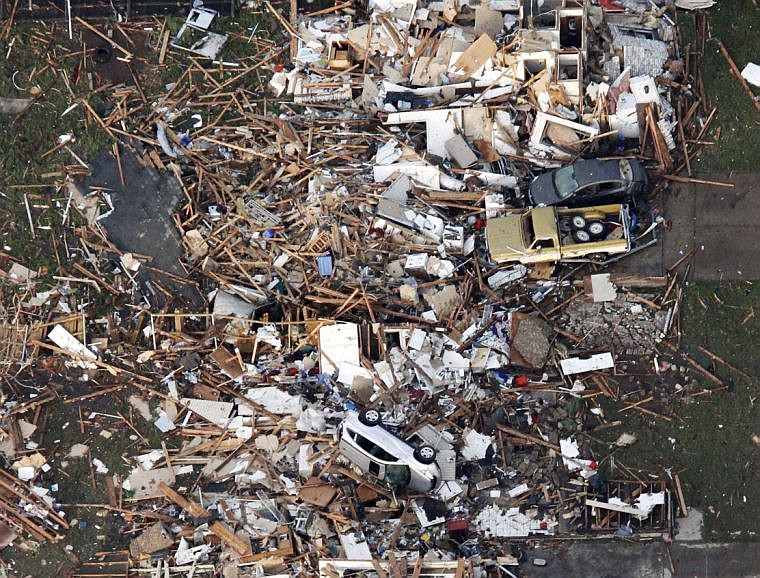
638	403
535	440
16	517
722	361
164	46
398	566
112	369
692	180
650	412
105	391
110	41
8	24
601	383
738	75
417	568
658	140
711	376
679	495
379	569
228	537
193	508
684	144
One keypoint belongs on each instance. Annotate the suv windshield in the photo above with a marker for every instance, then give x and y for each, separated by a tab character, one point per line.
564	181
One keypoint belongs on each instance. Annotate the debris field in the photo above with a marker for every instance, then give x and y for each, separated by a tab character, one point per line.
351	297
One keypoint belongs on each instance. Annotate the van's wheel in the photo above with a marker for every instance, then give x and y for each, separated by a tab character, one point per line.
578	222
425	454
370	417
581	236
597	229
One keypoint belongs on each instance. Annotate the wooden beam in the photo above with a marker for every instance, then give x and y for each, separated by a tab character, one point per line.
193	508
535	440
679	495
691	180
228	537
738	75
102	36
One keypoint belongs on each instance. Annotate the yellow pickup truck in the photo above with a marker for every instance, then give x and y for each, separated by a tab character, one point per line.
547	234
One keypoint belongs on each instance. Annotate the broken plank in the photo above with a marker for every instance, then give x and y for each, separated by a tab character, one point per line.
193	508
230	538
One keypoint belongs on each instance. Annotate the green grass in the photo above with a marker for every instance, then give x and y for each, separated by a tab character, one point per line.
736	23
710	443
94	528
25	138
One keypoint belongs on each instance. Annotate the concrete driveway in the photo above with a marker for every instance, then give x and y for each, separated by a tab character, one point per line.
721	223
622	559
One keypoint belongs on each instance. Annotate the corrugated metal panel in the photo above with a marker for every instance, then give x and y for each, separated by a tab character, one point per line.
447	462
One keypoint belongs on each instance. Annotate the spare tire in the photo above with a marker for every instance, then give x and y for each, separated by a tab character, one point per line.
581	236
578	222
425	454
370	417
597	229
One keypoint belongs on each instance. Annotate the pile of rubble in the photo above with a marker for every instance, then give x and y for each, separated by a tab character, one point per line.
625	323
359	345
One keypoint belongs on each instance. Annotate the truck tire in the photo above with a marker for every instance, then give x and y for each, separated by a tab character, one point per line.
581	236
597	229
425	454
370	417
578	222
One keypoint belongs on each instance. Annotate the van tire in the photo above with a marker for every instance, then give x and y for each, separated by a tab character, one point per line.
425	454
370	417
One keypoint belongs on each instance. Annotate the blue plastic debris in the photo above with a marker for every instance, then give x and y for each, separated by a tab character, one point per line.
325	264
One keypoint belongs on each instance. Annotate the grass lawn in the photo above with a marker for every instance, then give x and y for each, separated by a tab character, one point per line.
711	442
50	73
25	139
736	23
